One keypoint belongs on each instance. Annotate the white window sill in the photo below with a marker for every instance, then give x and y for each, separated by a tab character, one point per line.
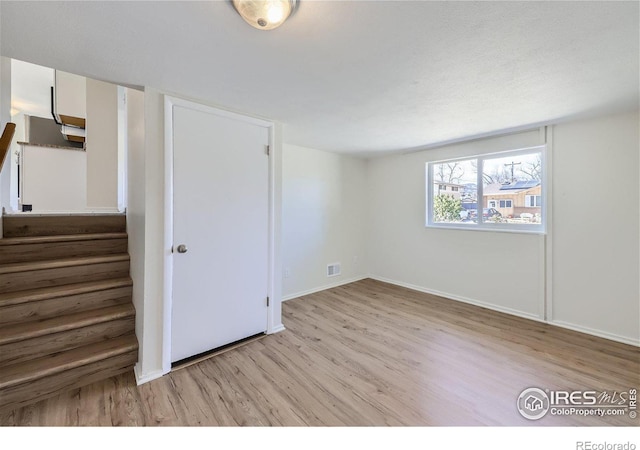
487	227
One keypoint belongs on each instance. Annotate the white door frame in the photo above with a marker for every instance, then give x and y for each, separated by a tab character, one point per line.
169	103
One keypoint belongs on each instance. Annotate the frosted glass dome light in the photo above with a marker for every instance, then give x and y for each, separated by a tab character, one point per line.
264	14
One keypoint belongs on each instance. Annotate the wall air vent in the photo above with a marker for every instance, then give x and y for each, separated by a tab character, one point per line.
333	269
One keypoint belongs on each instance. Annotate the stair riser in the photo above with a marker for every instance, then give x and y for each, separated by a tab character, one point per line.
33	279
60	250
29	349
31	392
56	307
22	226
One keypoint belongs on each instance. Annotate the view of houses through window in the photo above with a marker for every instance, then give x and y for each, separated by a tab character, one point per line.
504	189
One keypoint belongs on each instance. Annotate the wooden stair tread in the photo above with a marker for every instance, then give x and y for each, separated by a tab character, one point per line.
46	225
61	238
35	295
63	215
67	262
66	317
28	371
28	330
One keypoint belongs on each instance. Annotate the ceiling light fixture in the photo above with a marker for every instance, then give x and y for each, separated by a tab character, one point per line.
265	14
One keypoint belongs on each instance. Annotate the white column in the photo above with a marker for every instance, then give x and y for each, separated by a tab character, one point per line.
5	116
102	146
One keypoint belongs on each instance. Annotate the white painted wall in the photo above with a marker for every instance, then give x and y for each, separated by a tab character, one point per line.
150	366
102	145
53	179
20	120
136	205
501	270
123	131
5	116
594	267
596	226
323	219
71	94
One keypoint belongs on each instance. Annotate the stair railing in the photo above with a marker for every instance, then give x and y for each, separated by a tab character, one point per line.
5	141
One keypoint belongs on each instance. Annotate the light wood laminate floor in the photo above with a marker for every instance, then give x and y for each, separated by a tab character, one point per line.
367	353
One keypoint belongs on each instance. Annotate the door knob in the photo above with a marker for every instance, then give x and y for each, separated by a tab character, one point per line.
182	248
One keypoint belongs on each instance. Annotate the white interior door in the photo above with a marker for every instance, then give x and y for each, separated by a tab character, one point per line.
220	214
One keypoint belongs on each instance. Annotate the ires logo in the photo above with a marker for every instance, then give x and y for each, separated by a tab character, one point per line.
534	403
573	398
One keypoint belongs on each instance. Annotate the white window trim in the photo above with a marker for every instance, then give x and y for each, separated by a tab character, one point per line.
489	226
505	202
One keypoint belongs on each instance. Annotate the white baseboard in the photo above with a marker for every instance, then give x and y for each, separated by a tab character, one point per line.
558	323
598	333
458	298
277	329
323	288
141	379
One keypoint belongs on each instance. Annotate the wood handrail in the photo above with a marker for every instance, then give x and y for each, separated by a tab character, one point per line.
5	141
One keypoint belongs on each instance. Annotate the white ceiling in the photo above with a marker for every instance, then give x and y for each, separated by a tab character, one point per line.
354	76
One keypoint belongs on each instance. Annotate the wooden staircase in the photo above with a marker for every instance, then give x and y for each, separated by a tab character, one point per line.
66	316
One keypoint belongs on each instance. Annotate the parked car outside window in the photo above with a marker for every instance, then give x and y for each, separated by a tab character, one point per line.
487	213
490	213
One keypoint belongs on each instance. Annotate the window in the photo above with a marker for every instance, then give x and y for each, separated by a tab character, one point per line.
480	182
532	201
